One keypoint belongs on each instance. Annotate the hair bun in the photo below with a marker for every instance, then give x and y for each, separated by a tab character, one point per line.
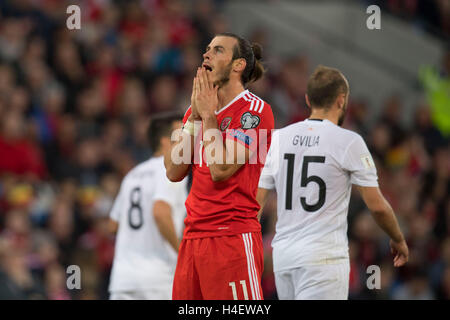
257	50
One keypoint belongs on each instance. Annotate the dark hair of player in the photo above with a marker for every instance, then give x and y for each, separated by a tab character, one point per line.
252	53
324	86
161	126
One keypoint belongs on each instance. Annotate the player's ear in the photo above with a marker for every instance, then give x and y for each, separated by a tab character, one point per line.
341	100
307	101
239	65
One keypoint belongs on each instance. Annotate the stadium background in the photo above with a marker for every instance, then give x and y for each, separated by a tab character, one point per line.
74	106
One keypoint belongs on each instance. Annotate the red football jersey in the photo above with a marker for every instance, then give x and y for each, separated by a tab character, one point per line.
229	207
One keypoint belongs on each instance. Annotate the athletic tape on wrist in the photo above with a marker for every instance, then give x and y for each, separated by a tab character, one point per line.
189	128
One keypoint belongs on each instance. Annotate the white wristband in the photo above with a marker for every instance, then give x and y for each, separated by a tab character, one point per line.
197	127
189	128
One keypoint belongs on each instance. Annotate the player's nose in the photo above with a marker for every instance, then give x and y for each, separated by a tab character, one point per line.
206	56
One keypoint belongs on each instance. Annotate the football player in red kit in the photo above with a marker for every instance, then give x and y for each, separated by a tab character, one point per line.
221	254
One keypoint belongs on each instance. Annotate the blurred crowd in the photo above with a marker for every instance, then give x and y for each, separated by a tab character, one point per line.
432	16
74	108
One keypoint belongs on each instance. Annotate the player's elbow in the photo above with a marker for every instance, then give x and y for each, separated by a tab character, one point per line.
175	174
381	210
172	176
376	202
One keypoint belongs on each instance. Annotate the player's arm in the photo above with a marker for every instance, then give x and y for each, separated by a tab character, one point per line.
113	226
359	163
224	168
261	197
206	99
116	209
176	168
384	216
162	212
267	179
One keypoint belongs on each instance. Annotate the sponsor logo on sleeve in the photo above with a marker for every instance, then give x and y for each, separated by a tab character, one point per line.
367	161
247	140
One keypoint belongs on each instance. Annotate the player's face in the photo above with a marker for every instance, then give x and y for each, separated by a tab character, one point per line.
218	59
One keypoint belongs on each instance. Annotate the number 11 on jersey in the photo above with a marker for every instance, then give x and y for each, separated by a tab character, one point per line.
244	289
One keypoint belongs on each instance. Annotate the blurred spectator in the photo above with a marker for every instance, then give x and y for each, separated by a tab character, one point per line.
55	283
24	158
18	282
431	15
289	97
163	95
391	118
416	288
432	137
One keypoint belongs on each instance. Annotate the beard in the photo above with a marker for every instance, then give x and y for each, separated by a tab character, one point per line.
223	76
342	116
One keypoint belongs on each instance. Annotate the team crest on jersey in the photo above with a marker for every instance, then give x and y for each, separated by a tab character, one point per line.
225	123
249	121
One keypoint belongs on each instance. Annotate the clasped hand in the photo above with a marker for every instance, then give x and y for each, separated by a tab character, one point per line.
204	99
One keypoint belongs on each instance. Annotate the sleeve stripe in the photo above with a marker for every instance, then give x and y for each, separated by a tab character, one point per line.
256	104
262	106
261	101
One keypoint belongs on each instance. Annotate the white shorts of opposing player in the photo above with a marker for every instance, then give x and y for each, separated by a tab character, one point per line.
151	294
314	282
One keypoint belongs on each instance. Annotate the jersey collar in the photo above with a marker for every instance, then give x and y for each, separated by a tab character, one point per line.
240	95
321	120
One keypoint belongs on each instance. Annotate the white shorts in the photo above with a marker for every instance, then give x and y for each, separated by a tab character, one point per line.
314	282
141	295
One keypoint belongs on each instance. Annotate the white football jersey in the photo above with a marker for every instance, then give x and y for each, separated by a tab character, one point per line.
312	164
143	259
